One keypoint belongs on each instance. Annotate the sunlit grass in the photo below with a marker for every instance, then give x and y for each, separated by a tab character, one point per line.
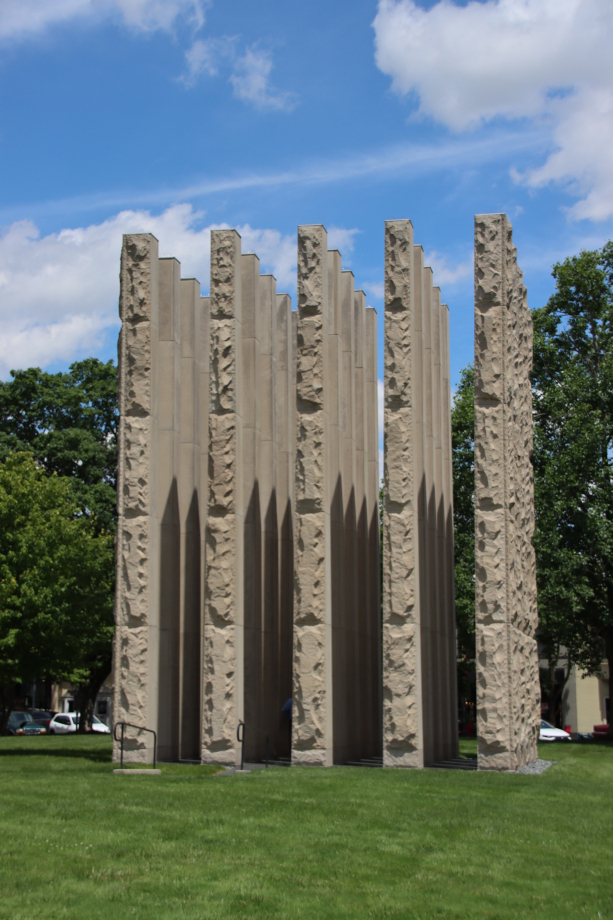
79	842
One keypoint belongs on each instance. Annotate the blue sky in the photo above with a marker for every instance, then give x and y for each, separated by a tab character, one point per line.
177	115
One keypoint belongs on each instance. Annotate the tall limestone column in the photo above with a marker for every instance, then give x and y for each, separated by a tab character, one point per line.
190	497
224	559
312	719
402	665
418	606
137	573
506	614
285	414
372	737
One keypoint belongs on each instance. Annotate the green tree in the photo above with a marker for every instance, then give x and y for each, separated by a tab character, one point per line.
69	422
573	457
56	584
463	441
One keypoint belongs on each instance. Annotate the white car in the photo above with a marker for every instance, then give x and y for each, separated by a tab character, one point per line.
549	733
65	722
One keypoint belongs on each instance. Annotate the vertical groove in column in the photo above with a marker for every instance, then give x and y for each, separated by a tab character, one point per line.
224	585
312	741
189	505
169	452
402	728
137	581
507	658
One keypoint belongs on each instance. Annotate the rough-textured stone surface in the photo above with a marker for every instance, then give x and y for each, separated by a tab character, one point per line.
224	538
419	698
135	604
507	661
336	649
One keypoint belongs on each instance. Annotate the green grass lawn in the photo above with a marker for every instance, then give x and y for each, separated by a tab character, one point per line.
78	842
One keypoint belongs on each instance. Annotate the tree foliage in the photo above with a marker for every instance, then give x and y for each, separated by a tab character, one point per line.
56	582
69	422
573	456
463	438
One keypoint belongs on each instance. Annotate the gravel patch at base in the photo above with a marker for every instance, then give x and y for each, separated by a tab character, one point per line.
536	767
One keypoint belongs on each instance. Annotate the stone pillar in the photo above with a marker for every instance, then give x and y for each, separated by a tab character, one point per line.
372	745
271	715
348	683
286	407
418	611
506	615
312	734
168	459
137	572
224	584
361	574
251	470
402	679
450	746
189	504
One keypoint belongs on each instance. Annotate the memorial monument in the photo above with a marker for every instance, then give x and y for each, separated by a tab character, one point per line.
248	556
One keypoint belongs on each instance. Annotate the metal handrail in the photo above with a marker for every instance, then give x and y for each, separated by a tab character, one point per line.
240	737
139	728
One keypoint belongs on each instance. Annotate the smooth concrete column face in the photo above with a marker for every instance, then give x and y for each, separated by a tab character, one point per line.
271	713
450	745
507	658
137	579
251	468
286	401
344	731
347	685
373	629
223	607
169	462
361	573
402	730
189	504
312	741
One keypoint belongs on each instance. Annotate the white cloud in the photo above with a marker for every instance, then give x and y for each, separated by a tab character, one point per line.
375	289
249	72
443	273
206	56
343	240
250	80
548	61
24	18
58	293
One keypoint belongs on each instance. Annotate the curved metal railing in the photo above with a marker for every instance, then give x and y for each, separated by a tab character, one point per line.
139	728
240	737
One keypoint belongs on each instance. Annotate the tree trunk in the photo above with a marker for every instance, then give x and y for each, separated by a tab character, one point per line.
609	654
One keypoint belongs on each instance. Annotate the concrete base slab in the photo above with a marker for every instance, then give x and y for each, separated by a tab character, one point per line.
138	772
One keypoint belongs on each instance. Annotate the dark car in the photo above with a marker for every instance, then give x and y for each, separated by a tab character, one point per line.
22	723
42	717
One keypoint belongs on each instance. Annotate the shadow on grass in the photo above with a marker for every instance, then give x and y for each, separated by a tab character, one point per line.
88	748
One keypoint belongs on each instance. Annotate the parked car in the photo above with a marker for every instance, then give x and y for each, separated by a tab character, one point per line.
42	716
549	733
64	722
22	723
